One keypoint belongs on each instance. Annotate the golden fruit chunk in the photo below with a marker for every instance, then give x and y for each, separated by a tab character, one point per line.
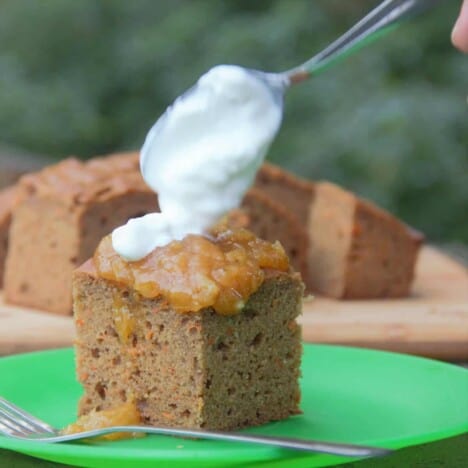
126	414
197	272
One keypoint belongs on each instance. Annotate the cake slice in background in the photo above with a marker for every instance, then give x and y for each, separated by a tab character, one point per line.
272	221
200	368
62	213
355	249
358	250
294	193
7	201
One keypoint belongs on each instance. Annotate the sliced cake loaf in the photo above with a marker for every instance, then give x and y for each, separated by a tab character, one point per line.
75	203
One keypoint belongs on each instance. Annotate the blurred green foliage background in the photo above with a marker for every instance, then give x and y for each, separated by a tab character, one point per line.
391	123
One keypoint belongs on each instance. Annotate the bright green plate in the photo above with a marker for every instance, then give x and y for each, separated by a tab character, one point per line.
348	395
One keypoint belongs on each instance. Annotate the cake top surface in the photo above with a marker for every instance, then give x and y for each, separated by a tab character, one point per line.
197	272
76	182
270	173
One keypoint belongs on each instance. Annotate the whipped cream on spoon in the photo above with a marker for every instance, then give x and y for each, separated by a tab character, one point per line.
202	155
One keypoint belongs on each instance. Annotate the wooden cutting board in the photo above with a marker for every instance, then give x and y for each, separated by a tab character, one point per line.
432	322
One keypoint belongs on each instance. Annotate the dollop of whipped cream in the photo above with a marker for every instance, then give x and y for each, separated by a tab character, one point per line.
202	155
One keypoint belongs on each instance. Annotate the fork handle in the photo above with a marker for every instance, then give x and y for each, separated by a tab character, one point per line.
347	450
331	448
379	21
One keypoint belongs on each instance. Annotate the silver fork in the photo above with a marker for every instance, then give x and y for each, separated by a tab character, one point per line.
19	424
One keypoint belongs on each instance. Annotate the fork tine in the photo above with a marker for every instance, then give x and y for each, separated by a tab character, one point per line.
16	423
34	423
10	426
4	429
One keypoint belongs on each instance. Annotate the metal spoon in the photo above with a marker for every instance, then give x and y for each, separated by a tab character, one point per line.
218	116
382	19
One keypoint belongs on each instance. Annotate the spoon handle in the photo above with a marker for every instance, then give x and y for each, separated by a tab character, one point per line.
380	20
